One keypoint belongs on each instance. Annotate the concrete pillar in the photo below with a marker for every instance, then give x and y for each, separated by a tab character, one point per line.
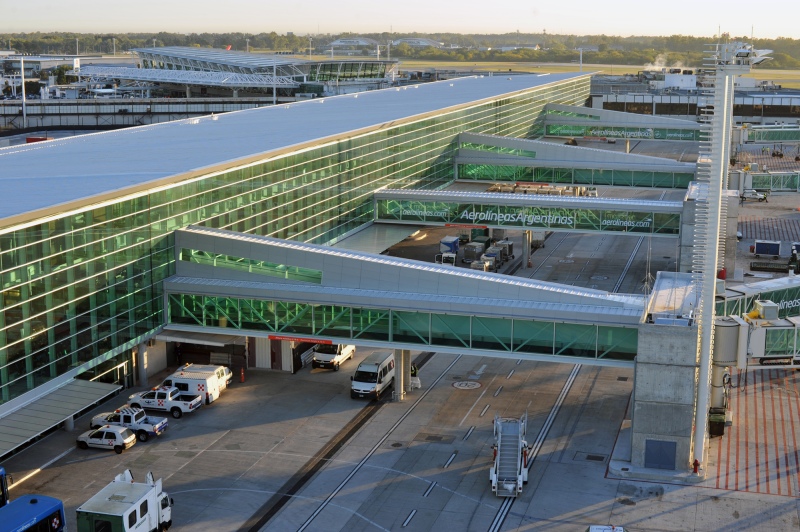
188	91
406	370
666	374
235	93
141	363
69	424
526	249
399	375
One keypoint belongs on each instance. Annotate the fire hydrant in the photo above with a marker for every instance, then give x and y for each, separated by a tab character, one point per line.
241	379
695	465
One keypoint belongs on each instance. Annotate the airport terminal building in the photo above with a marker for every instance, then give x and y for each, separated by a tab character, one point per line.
117	242
87	242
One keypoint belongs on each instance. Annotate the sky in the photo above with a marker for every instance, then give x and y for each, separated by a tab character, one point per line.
701	18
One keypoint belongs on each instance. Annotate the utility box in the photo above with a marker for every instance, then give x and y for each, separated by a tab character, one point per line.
767	310
767	247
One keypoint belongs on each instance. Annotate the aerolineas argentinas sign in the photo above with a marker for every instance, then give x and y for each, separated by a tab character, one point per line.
519	218
530	217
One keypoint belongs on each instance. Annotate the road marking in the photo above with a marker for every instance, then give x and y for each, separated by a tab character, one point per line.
473	406
429	490
500	389
39	469
469	432
408	519
450	461
485	408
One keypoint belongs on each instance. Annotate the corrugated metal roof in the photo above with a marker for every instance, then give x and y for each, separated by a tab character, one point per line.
46	412
587	293
114	163
223	57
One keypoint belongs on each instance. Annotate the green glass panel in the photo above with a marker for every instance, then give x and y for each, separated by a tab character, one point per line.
371	324
575	340
450	330
491	333
617	343
533	337
411	327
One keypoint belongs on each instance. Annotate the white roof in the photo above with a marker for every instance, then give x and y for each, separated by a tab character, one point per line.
66	172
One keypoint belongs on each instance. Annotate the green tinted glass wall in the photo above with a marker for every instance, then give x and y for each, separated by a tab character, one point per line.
82	286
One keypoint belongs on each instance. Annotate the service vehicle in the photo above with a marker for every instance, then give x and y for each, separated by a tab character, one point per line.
751	194
4	484
205	383
135	419
331	355
509	470
224	373
125	505
447	259
449	244
33	513
171	400
473	251
108	437
767	247
373	376
480	265
492	262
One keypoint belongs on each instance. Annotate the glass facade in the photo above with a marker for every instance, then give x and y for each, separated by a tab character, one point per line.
423	330
87	285
575	176
529	217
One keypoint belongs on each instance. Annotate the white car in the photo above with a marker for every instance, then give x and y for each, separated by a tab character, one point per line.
108	437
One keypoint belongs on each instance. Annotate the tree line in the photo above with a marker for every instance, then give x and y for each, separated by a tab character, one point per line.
601	49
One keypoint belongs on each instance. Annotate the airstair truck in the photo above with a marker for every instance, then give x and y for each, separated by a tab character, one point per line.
509	471
125	505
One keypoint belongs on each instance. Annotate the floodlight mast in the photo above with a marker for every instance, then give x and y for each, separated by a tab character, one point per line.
729	60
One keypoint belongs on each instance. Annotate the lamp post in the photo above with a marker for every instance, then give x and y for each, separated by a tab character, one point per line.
309	47
248	45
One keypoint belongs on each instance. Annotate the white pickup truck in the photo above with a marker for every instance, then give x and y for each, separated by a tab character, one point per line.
331	355
171	400
135	419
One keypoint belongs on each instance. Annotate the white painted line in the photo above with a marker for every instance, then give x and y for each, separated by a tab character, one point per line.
485	408
470	409
409	518
500	389
469	432
510	373
450	461
38	470
429	490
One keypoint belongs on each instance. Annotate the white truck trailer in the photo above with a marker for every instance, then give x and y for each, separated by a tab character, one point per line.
125	505
509	471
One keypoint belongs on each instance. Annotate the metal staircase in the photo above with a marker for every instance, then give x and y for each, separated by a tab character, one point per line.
509	471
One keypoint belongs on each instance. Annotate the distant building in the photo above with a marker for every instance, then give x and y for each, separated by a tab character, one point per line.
418	42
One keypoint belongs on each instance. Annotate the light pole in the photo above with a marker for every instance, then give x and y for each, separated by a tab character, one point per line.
114	40
309	47
248	45
76	46
154	43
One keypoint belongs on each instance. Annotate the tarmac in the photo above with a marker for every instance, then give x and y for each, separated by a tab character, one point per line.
224	463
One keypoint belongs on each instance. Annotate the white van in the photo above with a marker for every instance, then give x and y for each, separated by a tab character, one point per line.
224	373
373	376
205	384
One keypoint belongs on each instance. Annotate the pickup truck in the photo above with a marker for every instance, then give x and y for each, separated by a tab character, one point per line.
135	419
749	193
331	355
170	400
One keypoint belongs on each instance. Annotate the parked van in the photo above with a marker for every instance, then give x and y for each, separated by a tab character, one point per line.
373	376
224	373
205	384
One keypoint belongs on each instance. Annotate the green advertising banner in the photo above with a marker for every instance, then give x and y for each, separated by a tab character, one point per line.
566	130
528	217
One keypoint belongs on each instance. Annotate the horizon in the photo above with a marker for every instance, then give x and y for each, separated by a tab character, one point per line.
683	18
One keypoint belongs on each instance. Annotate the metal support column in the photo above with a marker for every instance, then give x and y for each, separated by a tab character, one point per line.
141	363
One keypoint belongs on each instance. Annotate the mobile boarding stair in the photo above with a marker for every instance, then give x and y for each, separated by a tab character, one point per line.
510	468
